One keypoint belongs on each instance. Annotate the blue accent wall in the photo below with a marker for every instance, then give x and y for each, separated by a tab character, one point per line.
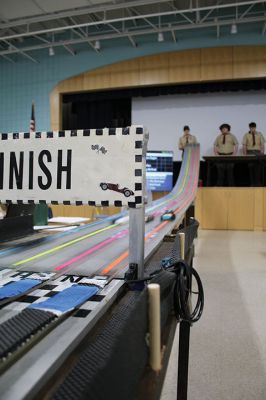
25	81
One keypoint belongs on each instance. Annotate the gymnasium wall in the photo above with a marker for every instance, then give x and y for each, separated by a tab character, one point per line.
165	117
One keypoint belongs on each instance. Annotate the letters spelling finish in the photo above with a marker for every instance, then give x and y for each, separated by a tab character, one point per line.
18	166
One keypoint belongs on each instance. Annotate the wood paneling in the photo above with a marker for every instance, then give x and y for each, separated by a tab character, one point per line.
73	211
125	74
158	195
99	79
240	209
231	208
198	205
264	210
74	84
154	70
258	209
249	62
83	211
55	110
214	208
184	66
217	64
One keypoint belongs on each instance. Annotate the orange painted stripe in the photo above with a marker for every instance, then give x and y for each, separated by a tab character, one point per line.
156	229
125	254
114	263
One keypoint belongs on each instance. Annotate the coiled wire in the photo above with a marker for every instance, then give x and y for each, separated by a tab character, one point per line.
183	292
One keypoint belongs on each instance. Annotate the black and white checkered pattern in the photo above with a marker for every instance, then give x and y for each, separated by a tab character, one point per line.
8	275
141	137
54	286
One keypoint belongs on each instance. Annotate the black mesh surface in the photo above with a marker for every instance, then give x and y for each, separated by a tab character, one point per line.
154	264
111	366
190	232
16	330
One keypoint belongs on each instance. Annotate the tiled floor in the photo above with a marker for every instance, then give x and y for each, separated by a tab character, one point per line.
228	344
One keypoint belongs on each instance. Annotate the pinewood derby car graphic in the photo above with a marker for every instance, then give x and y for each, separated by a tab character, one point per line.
115	187
168	216
149	218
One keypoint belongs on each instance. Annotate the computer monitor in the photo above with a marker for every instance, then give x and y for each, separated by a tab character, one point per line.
159	171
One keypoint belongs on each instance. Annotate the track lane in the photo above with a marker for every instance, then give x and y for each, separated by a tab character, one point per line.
48	258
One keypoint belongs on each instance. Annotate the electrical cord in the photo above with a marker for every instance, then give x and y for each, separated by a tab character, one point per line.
182	287
182	292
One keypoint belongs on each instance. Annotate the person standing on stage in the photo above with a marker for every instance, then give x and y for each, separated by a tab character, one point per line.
253	143
226	144
187	138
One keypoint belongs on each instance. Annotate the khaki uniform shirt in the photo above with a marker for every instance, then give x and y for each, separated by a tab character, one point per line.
228	146
248	141
3	210
186	139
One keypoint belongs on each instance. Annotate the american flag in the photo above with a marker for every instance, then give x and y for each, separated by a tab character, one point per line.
32	120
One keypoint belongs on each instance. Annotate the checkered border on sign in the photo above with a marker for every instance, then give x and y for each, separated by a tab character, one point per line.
140	151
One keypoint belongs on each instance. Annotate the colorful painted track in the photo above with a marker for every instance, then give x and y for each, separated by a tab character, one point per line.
102	247
64	263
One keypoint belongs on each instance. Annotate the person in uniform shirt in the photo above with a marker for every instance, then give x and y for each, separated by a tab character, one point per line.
226	144
187	138
253	143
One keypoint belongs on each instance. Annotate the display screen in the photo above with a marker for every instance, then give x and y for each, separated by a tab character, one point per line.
159	171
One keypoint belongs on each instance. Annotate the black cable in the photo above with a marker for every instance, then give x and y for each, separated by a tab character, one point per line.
182	292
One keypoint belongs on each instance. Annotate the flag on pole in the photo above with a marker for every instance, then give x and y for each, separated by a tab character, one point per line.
32	120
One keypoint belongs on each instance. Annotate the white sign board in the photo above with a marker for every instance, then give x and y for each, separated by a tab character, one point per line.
96	167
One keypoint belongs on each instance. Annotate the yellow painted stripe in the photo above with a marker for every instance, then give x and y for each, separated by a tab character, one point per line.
62	246
182	185
54	249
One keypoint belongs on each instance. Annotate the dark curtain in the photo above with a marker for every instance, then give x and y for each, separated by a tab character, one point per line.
90	114
112	108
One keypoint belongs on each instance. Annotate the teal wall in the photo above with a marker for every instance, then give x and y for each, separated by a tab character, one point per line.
24	82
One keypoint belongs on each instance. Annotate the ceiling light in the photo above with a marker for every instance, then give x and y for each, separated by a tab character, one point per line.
233	30
97	45
160	37
51	51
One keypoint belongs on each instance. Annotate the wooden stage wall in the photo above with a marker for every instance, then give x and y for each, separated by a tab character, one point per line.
231	208
188	66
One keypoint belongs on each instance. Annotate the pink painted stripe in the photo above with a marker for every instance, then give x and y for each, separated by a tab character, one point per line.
92	250
190	187
187	189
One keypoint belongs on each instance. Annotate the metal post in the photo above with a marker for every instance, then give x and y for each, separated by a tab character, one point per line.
137	225
136	238
183	360
184	339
